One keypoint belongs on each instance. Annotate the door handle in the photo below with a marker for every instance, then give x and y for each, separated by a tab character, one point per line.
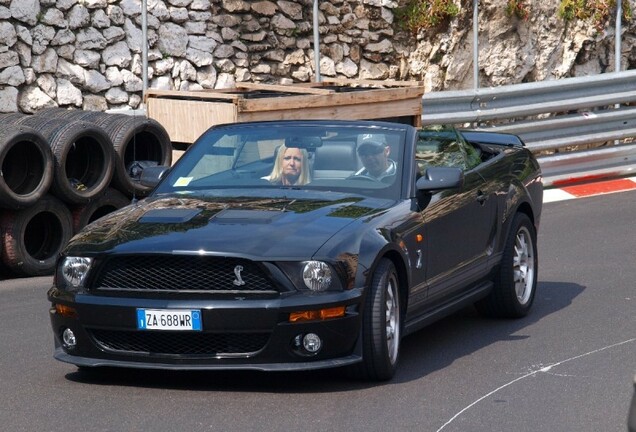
481	197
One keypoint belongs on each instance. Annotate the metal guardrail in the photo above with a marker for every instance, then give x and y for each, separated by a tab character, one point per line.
523	100
613	161
572	130
572	112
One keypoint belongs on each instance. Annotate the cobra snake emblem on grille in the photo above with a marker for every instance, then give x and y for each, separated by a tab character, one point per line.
237	272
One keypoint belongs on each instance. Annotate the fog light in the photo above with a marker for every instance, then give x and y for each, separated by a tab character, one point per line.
312	343
68	339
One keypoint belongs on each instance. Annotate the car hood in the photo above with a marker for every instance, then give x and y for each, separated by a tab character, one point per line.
280	228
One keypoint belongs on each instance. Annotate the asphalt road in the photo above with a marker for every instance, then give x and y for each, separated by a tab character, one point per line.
566	367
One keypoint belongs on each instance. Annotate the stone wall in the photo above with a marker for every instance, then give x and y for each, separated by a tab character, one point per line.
87	53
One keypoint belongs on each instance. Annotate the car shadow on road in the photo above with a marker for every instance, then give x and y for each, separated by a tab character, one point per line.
424	352
465	332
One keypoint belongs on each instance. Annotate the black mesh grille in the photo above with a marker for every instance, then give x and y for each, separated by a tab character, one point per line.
180	273
180	343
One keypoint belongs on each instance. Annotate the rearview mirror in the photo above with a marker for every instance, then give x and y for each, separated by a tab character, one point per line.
303	142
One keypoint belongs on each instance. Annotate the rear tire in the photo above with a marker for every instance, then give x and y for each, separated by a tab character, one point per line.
516	281
382	324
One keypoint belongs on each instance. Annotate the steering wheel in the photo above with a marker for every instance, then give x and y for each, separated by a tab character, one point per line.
364	177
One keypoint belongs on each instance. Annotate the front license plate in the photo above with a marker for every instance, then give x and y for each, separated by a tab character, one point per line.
168	319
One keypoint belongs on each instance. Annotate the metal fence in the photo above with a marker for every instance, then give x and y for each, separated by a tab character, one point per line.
556	117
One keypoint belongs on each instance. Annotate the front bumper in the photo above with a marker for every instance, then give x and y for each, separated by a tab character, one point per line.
236	333
62	356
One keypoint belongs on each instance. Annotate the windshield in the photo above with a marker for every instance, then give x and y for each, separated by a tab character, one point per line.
343	158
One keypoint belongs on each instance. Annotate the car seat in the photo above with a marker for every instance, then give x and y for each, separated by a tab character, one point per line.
335	160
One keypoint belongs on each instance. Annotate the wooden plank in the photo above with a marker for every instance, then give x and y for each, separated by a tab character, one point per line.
284	88
349	98
417	120
372	110
189	95
186	120
383	83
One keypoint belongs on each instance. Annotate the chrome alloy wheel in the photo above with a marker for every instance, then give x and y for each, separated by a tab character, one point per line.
381	324
524	265
392	313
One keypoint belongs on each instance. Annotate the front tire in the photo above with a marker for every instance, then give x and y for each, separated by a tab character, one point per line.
382	324
516	281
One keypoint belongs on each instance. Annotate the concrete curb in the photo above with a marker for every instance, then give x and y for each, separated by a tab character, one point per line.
589	189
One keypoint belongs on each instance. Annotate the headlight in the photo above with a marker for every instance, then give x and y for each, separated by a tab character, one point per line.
74	270
314	276
317	275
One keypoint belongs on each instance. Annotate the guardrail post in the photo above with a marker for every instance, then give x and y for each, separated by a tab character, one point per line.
316	42
144	50
618	36
475	44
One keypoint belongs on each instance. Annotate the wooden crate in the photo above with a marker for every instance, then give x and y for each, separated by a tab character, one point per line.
187	114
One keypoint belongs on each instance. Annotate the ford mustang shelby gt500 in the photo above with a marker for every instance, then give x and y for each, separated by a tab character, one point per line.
302	245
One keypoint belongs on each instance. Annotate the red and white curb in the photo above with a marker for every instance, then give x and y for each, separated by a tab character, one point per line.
589	189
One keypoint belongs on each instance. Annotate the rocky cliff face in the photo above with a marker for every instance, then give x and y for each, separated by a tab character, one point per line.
87	53
512	50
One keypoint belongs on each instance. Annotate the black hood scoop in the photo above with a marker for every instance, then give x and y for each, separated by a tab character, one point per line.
169	215
233	216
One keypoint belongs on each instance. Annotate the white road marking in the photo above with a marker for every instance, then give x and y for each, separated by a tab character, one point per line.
543	369
553	195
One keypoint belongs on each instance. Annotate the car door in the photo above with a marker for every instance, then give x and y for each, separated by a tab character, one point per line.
459	224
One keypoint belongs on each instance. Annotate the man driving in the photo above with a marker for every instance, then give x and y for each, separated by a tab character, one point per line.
375	158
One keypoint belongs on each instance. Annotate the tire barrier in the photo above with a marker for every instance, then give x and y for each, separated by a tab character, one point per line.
26	163
138	144
138	141
11	118
108	202
68	115
63	169
34	236
83	154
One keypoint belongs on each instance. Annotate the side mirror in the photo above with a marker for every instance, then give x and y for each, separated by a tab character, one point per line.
151	176
440	178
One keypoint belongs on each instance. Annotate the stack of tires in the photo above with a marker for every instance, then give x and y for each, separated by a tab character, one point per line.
61	170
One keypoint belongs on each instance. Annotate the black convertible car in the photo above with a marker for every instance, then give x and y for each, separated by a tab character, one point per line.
302	245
